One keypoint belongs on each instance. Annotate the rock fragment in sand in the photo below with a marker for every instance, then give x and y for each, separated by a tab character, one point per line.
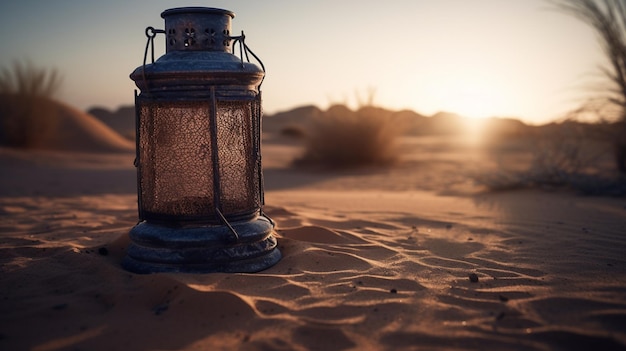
160	309
473	277
59	307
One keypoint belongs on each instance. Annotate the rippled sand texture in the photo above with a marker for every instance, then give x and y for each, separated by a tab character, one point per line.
371	269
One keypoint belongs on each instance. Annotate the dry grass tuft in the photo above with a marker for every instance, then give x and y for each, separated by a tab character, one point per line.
295	132
28	80
570	157
607	18
27	114
342	138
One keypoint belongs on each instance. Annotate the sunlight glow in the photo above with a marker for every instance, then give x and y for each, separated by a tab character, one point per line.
474	129
474	97
474	105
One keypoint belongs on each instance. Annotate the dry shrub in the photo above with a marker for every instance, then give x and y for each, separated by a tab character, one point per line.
27	114
561	154
27	121
607	18
343	138
295	132
566	156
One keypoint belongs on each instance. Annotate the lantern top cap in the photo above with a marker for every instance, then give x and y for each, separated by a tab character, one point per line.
213	10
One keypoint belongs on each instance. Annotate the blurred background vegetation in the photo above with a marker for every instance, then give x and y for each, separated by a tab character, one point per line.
342	138
607	18
27	112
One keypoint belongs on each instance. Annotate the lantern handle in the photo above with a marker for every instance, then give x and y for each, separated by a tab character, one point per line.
244	49
151	34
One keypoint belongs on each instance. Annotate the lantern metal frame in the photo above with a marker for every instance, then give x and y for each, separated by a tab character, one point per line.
201	83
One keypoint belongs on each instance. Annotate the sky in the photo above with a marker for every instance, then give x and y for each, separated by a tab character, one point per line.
477	58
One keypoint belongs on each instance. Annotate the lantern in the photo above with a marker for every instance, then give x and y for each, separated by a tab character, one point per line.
198	130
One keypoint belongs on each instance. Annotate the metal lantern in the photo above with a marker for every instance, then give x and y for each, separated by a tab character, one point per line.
200	184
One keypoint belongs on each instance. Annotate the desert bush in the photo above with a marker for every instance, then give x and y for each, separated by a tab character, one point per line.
567	156
27	80
343	138
296	132
607	18
27	114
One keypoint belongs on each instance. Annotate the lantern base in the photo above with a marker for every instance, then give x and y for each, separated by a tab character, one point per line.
244	247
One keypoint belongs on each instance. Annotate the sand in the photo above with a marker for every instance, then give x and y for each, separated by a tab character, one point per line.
413	257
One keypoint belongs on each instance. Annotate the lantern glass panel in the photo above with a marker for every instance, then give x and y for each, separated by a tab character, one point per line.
238	156
184	145
175	151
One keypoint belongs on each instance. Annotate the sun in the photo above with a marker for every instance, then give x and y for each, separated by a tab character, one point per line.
473	129
474	102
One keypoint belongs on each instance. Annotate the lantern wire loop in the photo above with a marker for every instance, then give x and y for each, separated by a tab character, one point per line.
244	50
151	33
230	227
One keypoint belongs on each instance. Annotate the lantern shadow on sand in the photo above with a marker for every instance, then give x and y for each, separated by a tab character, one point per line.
200	183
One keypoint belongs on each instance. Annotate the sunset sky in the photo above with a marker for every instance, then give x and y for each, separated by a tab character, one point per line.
478	58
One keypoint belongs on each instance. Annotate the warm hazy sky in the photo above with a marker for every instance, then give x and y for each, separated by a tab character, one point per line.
475	57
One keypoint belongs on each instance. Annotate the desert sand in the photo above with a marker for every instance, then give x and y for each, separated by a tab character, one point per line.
413	257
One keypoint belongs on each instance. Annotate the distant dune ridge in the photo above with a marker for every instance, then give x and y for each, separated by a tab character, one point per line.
413	123
442	123
103	130
66	128
122	120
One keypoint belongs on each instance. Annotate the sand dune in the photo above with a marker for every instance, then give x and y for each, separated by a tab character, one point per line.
122	120
67	128
376	259
80	131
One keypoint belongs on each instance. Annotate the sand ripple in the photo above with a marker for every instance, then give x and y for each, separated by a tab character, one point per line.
348	280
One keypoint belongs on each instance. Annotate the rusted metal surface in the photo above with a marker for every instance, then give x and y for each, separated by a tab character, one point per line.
200	189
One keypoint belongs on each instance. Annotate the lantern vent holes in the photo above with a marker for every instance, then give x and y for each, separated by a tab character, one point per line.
226	33
208	39
172	33
211	33
190	33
